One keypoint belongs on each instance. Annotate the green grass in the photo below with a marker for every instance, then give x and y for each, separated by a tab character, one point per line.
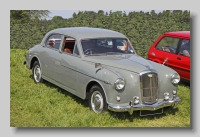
46	105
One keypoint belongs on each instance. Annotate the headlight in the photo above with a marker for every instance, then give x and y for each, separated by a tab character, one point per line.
174	92
175	78
119	84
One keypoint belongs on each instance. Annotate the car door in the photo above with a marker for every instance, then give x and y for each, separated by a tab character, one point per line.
182	61
49	56
69	58
166	48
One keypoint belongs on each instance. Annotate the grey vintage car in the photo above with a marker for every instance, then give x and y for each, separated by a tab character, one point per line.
102	66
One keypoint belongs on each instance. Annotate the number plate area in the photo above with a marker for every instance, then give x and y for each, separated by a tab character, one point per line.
147	112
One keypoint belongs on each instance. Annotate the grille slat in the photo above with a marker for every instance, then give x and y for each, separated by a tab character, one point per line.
149	86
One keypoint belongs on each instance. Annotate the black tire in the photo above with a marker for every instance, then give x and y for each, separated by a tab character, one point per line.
97	100
36	70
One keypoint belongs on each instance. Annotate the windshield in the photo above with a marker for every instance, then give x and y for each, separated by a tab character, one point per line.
105	46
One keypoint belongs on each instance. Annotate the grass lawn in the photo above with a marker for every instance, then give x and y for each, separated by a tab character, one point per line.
46	105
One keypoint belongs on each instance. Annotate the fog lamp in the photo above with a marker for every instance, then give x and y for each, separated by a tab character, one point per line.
166	96
136	100
174	92
118	98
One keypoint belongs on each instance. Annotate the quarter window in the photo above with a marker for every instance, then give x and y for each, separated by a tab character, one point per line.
168	44
53	41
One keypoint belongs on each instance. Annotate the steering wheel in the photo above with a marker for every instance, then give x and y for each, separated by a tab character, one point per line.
90	51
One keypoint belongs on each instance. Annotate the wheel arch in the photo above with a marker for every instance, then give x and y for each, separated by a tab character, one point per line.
34	58
92	83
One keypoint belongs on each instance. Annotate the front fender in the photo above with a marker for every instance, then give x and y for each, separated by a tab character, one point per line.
164	79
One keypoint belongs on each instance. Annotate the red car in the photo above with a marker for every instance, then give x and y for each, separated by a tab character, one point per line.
173	50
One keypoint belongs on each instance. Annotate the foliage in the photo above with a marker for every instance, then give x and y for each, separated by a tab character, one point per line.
46	105
24	16
141	28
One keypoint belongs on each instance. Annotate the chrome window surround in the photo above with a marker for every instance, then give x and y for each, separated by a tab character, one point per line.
149	87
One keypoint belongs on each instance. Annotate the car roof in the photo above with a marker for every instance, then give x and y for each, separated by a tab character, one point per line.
87	32
178	33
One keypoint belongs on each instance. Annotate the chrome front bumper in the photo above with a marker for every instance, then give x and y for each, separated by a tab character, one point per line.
131	107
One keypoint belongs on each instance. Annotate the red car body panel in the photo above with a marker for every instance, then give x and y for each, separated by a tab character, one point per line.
176	61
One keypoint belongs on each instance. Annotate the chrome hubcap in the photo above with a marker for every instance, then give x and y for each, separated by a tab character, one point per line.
97	102
37	73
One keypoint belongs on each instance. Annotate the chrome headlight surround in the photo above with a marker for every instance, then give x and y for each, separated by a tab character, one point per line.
175	79
119	84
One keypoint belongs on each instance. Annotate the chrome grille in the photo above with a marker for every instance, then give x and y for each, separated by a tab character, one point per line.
149	86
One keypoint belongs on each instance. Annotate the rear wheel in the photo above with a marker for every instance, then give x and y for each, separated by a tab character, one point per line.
36	70
97	100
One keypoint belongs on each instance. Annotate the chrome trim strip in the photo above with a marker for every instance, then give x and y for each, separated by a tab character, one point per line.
131	107
106	82
148	71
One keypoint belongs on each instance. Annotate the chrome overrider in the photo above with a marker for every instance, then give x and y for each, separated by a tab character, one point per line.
131	107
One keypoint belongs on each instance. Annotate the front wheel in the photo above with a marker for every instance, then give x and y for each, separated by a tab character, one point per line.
36	70
97	100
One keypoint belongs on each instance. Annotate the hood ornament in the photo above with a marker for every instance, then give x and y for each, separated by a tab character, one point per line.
150	75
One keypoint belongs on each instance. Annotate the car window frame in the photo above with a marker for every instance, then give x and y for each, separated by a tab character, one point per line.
178	44
81	48
179	48
75	46
47	38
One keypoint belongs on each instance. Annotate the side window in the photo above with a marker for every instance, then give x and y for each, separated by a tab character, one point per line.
168	44
185	48
76	52
53	41
68	45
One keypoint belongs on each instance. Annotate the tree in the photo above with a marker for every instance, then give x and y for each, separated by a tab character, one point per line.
24	16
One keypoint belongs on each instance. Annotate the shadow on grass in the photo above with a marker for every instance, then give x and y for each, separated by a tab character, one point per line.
136	114
184	83
84	103
117	115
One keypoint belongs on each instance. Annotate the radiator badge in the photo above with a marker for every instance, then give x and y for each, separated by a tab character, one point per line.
150	75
